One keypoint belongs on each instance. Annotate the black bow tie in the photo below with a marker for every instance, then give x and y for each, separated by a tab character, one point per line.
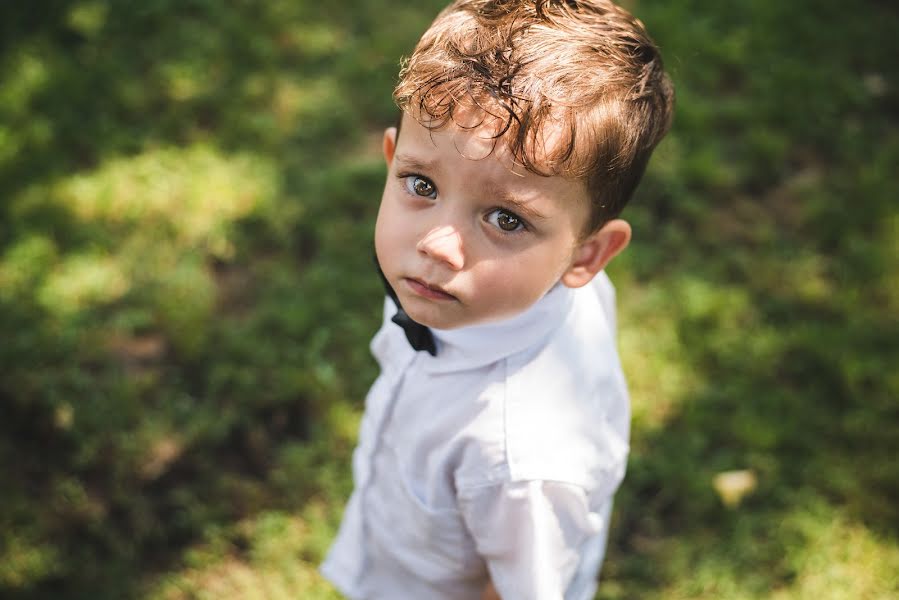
419	336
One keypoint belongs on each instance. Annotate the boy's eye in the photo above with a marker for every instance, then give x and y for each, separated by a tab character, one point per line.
505	220
421	186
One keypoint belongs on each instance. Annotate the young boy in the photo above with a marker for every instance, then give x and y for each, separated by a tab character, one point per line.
497	433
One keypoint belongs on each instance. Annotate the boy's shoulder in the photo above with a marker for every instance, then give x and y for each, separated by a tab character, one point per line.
565	405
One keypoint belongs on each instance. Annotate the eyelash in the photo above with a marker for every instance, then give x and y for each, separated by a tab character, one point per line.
409	180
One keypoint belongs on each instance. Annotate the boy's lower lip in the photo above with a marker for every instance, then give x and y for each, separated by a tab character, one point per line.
420	288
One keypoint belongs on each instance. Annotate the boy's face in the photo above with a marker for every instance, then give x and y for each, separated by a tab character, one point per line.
466	236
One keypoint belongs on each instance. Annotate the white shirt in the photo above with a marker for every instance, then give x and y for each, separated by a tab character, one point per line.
498	458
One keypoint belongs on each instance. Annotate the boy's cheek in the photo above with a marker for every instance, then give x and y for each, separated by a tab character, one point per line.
386	242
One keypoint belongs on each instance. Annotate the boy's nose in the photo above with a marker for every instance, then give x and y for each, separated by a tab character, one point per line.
443	244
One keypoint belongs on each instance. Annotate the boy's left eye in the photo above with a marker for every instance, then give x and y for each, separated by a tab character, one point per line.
505	220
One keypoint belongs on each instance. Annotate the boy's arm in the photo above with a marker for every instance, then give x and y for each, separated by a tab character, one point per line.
489	592
530	534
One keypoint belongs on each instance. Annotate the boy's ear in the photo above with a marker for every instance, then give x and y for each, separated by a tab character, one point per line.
596	251
388	145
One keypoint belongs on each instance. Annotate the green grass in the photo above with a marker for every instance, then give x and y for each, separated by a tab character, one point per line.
186	297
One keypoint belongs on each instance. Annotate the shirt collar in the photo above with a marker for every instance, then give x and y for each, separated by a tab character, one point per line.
479	345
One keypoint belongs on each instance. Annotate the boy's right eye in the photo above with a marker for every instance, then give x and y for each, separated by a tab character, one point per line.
420	186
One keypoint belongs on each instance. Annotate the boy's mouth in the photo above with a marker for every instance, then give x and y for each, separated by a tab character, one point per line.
427	290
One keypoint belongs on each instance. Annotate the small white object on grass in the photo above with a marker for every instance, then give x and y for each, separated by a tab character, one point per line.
733	486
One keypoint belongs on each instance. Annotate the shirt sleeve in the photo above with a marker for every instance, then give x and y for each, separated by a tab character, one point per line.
530	534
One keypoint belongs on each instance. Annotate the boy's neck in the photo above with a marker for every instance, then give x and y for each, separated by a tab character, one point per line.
483	343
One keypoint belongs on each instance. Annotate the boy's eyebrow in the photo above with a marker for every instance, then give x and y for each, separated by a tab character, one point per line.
411	162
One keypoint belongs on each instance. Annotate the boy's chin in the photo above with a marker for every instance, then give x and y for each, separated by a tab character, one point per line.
446	320
433	317
430	318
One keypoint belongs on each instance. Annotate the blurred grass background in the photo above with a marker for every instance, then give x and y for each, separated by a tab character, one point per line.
187	193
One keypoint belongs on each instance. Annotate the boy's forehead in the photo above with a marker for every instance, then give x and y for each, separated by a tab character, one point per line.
477	135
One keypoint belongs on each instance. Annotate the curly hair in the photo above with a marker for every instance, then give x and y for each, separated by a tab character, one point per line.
587	68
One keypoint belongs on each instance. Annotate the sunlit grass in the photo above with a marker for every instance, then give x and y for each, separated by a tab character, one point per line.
196	193
81	281
268	557
649	344
839	559
825	556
